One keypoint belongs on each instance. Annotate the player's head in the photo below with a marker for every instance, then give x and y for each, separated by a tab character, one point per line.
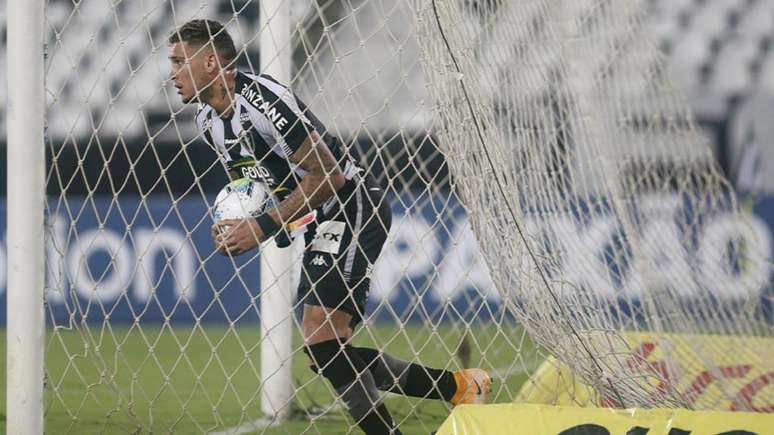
199	51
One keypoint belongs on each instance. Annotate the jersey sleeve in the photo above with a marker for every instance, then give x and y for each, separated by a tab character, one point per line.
204	124
289	123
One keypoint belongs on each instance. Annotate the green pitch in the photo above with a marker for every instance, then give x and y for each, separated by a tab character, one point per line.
187	379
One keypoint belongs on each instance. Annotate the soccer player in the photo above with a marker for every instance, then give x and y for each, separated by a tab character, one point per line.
258	126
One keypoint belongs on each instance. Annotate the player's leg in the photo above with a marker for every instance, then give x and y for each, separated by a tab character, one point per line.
326	333
415	380
329	313
393	374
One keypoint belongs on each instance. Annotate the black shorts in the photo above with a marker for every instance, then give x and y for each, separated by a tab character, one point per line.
336	271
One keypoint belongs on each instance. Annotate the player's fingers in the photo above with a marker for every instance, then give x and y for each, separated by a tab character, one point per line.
222	229
229	230
220	248
229	237
218	229
242	241
231	247
228	223
237	237
219	239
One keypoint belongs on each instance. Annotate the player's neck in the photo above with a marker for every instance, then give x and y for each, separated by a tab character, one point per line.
221	97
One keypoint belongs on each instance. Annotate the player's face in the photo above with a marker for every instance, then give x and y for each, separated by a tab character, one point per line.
189	73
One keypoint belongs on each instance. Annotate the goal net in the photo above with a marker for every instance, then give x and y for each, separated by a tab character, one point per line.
549	195
562	126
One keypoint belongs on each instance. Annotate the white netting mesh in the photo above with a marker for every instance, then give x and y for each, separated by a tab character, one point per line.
596	154
571	126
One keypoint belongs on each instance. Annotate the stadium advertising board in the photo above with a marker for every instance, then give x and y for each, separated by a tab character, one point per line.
164	267
557	420
737	384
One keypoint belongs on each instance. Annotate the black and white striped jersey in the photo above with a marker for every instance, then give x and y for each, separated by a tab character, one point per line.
268	124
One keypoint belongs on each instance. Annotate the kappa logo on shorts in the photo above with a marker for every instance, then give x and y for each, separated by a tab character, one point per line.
328	237
319	261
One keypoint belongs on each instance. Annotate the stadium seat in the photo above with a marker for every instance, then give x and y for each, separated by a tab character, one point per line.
663	26
757	21
731	74
766	75
688	55
673	7
711	20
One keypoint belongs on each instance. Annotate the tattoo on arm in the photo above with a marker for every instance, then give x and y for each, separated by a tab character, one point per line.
323	179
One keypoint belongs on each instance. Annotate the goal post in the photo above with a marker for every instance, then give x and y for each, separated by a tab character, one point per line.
277	292
25	327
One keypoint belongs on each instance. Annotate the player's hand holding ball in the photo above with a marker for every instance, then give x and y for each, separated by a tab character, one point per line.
237	205
237	236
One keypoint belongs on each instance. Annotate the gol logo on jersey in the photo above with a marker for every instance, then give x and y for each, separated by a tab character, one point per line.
270	111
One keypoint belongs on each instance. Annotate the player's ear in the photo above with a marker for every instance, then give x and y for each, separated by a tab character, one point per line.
211	62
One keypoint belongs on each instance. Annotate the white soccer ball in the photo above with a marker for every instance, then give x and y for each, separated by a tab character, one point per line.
240	199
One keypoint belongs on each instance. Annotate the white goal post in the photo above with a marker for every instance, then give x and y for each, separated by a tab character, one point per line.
26	109
550	195
276	263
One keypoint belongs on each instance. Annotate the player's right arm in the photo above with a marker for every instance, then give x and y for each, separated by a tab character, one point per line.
324	178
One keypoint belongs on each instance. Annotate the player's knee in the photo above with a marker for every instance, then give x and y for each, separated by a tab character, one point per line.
329	358
315	326
322	324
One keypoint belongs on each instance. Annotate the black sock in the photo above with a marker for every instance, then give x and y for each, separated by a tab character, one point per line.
356	386
421	379
409	379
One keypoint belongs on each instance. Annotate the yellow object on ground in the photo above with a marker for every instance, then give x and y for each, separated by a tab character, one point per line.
513	419
746	378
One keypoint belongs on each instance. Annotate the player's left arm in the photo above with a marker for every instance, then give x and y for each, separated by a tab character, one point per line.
323	179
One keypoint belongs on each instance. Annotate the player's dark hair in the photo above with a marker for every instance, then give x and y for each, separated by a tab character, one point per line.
200	32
